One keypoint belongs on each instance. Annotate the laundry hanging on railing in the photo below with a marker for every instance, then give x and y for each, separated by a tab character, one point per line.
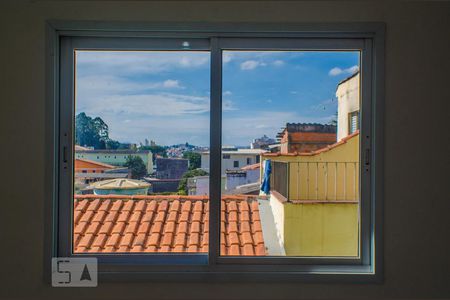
265	185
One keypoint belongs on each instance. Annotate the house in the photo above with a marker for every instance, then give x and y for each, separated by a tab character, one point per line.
246	175
168	174
319	191
90	166
166	185
234	159
305	137
88	171
199	185
114	157
171	168
348	95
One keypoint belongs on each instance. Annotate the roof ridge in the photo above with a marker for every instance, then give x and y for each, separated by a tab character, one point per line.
97	163
92	197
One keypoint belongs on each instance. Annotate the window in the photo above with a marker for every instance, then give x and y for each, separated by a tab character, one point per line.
353	122
177	205
314	178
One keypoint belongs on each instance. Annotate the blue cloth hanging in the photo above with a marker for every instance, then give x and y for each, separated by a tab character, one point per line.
265	185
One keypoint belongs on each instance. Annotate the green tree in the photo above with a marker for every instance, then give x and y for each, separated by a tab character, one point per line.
195	159
182	187
137	166
334	120
113	145
93	132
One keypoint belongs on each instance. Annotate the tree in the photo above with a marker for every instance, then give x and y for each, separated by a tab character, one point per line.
334	120
136	165
93	132
182	187
195	159
113	145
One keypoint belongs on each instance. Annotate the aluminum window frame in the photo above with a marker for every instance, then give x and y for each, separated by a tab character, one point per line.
365	37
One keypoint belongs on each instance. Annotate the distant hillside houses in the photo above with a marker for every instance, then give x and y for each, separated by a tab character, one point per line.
262	143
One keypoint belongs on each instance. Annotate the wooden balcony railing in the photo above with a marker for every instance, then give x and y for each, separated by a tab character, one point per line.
319	181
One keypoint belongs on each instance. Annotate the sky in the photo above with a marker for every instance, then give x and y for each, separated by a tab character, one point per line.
164	96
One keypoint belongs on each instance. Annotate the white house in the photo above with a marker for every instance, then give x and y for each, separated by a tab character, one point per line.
246	175
347	93
234	159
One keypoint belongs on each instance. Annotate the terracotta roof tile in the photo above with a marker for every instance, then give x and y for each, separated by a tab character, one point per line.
114	223
112	216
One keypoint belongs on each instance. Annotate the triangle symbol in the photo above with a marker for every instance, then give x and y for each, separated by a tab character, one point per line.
85	275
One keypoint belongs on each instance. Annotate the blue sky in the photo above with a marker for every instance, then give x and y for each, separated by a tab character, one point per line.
164	96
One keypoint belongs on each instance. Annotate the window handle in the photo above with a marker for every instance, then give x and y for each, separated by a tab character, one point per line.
64	154
367	157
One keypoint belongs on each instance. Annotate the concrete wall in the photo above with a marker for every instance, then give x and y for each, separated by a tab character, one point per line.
415	214
317	229
309	228
241	178
347	94
171	168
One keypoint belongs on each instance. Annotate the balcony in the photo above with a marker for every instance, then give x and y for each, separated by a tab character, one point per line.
316	181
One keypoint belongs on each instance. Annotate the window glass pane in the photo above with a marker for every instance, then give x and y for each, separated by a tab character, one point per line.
288	111
141	124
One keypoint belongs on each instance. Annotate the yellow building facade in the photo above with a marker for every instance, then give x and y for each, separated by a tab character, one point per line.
318	215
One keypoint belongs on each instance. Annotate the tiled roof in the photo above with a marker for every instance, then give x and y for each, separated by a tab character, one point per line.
116	223
325	149
251	167
97	163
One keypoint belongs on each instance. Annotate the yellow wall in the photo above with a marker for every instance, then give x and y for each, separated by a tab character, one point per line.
323	229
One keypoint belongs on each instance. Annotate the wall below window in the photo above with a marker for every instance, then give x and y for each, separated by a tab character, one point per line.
416	201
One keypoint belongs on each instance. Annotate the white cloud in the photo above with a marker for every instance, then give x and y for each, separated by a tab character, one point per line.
137	62
227	93
338	71
170	84
227	57
250	64
97	86
163	104
278	63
